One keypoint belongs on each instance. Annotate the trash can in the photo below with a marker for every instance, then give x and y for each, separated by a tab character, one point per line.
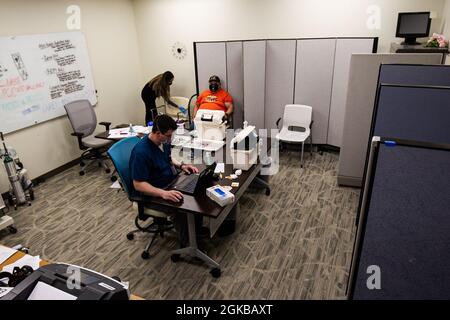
228	226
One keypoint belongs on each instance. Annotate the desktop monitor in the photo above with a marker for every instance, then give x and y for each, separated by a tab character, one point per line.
412	25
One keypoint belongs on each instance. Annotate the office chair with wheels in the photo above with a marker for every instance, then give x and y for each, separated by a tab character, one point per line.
84	121
120	154
297	122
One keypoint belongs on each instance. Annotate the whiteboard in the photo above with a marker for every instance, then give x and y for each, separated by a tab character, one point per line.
39	74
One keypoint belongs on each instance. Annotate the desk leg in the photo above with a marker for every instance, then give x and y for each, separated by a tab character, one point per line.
193	250
264	184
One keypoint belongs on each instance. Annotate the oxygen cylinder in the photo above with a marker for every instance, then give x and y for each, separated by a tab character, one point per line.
13	176
14	179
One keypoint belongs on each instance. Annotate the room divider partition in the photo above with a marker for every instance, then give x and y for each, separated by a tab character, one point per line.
265	75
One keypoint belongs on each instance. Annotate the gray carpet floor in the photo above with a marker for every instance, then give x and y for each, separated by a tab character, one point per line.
294	244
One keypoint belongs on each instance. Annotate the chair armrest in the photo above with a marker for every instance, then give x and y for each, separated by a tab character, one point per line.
189	107
278	122
106	124
140	203
79	136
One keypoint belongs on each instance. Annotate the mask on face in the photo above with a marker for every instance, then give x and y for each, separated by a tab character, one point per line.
213	87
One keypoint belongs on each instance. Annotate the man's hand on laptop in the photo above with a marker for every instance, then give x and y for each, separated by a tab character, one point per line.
172	195
188	168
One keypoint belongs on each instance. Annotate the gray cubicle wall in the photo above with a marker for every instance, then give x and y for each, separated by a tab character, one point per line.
254	53
313	81
280	75
344	50
420	113
213	59
290	71
364	70
235	77
415	74
404	230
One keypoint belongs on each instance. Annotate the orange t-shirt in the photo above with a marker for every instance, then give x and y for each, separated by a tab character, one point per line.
214	101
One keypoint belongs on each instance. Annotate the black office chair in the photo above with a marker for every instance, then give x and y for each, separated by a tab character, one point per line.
120	154
84	121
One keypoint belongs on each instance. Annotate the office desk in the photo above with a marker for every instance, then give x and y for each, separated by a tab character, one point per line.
19	254
201	205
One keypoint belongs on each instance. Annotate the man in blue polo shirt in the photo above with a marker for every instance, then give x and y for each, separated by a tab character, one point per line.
152	168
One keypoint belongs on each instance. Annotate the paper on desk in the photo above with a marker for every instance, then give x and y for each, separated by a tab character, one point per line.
119	131
43	291
5	253
125	132
25	260
4	291
141	129
220	168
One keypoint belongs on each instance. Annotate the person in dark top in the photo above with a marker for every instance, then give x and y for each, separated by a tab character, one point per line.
152	168
159	86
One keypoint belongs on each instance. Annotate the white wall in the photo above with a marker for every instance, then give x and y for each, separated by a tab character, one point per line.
161	23
110	31
446	19
446	24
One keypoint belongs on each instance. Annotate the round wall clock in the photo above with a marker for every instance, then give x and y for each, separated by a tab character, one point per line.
179	50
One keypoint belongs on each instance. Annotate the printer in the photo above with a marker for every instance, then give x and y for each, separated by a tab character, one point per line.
244	148
60	281
210	125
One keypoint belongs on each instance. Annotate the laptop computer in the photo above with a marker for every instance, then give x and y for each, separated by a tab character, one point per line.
190	184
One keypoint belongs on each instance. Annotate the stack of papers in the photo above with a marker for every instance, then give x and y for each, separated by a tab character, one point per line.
121	133
206	145
25	260
220	168
5	253
179	141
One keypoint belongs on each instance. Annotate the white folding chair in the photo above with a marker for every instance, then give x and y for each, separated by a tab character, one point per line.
297	122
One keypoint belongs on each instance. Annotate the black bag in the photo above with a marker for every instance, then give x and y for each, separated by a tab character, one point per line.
16	277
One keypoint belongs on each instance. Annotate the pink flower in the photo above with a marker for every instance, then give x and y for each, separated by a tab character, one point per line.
438	39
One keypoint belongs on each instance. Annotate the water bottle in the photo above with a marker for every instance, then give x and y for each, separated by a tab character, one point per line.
131	131
208	158
150	126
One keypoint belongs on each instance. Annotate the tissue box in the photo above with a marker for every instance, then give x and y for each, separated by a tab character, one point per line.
221	196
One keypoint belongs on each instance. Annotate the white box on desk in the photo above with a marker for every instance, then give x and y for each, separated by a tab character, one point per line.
244	159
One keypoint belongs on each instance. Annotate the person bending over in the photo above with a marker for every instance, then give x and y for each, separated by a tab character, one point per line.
159	86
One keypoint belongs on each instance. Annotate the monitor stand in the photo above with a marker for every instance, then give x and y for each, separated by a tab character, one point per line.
410	42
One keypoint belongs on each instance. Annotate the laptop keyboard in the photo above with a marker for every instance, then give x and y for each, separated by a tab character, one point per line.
188	186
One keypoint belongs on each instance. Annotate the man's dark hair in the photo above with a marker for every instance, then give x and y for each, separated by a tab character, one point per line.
163	123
